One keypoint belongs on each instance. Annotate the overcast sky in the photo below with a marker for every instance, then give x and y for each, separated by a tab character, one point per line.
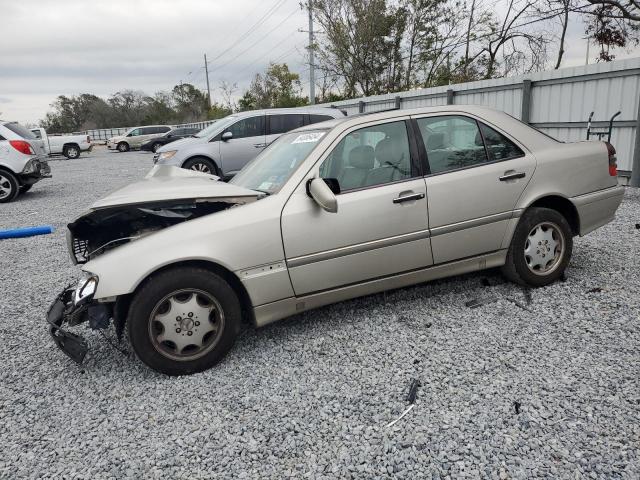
54	47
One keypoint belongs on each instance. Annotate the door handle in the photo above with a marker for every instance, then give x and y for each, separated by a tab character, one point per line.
408	198
259	145
512	176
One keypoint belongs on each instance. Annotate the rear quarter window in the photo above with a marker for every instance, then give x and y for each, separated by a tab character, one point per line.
18	129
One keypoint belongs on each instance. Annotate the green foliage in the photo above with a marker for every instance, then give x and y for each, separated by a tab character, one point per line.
277	88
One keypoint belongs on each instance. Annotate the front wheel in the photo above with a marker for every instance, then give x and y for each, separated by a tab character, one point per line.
203	165
71	151
184	321
123	147
540	249
9	186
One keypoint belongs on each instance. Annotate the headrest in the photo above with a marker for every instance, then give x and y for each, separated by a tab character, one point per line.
435	141
361	157
388	152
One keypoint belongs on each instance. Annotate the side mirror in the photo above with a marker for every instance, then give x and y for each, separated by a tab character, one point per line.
226	136
320	191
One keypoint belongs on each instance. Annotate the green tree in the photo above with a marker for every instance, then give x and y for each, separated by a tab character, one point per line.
277	88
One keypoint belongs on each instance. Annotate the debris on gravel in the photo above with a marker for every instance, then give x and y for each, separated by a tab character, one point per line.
550	390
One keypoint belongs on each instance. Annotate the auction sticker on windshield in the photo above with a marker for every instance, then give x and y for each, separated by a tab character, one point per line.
309	137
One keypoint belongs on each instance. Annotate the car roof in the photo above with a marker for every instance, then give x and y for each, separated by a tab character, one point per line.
334	112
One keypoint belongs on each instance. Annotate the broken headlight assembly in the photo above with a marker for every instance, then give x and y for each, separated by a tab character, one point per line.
85	289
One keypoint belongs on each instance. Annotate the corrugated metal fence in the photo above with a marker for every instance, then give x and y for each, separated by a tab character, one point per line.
102	134
558	102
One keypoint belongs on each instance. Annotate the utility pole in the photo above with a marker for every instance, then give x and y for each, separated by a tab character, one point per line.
312	77
206	72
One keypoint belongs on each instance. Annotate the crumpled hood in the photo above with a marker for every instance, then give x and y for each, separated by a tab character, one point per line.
167	183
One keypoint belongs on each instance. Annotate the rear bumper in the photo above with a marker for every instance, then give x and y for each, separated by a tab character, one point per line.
597	208
43	170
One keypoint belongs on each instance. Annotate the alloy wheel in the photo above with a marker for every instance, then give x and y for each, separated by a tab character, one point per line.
6	188
186	324
544	248
201	167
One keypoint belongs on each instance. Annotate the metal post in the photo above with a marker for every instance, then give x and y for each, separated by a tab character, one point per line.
206	72
398	101
635	163
360	106
450	94
525	111
312	77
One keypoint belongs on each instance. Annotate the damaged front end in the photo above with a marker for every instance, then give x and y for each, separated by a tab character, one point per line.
166	197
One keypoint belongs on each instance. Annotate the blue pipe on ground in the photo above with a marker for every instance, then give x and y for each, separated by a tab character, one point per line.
26	232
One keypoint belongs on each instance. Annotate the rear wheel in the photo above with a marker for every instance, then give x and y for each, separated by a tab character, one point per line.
540	249
123	147
71	151
184	321
9	186
200	164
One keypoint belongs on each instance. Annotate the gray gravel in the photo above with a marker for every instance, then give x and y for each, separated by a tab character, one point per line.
310	397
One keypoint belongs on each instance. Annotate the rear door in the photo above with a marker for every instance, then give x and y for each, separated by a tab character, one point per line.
477	173
248	141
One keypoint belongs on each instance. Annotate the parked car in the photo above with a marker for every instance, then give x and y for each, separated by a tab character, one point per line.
135	137
68	145
23	160
328	212
225	147
171	136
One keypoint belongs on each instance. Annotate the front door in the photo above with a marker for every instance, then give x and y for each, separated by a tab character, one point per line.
476	176
381	226
248	140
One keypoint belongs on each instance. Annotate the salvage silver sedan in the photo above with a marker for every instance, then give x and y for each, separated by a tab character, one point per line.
329	212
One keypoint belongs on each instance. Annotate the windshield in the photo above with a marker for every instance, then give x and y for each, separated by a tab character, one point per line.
211	129
273	167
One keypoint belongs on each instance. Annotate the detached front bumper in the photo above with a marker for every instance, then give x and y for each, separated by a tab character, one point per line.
64	311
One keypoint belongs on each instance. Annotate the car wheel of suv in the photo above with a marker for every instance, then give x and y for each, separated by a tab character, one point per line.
155	147
71	152
200	164
123	147
9	186
183	321
540	249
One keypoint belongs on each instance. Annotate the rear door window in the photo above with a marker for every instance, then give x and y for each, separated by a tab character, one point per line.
499	147
452	142
284	123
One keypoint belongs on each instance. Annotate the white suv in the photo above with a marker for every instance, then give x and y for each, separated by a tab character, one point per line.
22	160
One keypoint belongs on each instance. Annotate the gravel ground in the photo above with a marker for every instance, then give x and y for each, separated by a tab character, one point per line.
545	383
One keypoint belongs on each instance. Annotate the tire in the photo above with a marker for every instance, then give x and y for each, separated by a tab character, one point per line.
9	186
71	151
161	340
123	147
201	164
25	188
532	265
155	147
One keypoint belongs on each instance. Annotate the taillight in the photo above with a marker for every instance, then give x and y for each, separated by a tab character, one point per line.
22	146
613	165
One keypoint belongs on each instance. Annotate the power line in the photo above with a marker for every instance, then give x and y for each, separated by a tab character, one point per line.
254	43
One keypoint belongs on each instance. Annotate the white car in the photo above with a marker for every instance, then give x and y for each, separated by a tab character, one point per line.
328	212
23	160
68	145
135	137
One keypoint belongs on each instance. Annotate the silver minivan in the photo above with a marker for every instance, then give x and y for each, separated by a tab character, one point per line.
225	147
135	137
